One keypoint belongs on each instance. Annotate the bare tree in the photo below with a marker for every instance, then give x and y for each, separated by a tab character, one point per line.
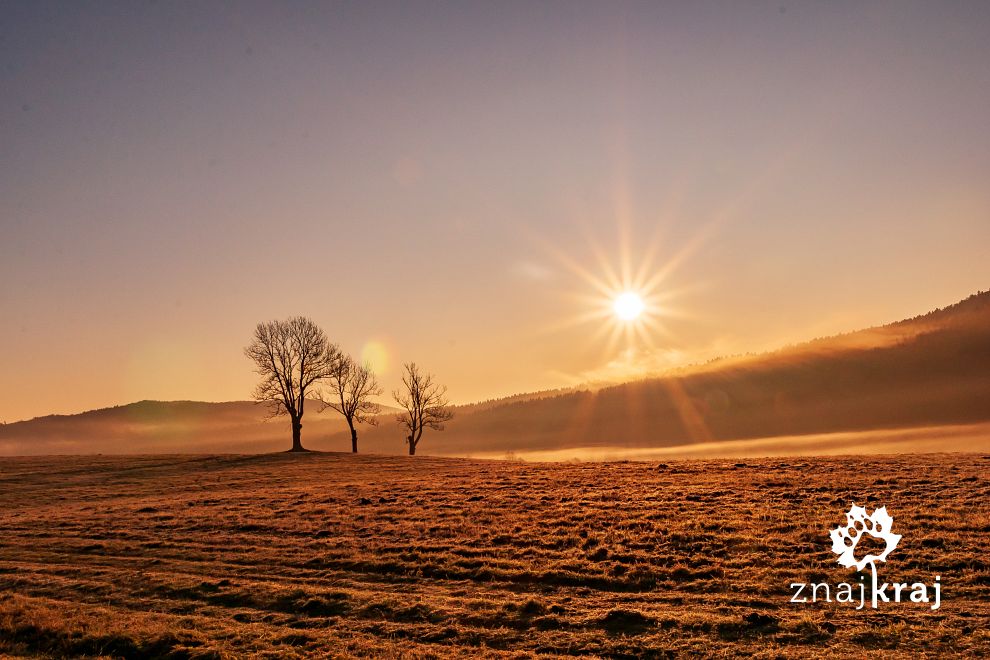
291	357
351	387
425	403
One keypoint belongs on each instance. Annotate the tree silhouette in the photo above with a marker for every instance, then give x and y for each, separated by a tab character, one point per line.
351	387
425	403
291	357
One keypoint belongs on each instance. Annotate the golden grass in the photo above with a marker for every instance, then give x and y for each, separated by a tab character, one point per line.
329	554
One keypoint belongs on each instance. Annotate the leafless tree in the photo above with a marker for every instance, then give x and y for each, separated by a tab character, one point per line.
425	403
350	388
292	357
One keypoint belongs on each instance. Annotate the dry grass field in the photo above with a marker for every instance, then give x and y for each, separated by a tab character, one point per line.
337	555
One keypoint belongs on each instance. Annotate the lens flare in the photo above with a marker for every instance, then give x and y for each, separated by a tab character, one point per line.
376	355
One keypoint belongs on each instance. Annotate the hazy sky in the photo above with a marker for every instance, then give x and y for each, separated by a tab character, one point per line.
423	178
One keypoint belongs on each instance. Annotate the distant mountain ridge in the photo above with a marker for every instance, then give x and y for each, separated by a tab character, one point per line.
932	369
165	427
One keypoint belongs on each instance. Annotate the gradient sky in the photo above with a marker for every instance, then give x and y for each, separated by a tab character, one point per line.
421	179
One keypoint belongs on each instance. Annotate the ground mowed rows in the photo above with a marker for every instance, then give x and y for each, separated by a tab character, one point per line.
332	554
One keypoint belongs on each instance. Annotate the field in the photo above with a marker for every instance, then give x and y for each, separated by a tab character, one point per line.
329	554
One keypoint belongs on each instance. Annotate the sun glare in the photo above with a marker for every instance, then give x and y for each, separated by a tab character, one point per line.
628	306
630	298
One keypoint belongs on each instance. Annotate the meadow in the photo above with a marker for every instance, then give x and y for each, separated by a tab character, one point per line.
337	555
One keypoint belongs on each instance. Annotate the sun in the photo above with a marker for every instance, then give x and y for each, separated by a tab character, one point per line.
629	296
628	306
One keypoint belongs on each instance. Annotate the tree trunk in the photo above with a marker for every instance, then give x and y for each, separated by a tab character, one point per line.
353	440
412	446
297	435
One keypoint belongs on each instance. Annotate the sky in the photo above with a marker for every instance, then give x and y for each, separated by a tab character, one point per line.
466	185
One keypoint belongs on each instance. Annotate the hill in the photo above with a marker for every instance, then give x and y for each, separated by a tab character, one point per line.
162	427
929	371
860	391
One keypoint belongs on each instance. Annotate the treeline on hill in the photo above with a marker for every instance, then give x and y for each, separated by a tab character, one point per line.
930	370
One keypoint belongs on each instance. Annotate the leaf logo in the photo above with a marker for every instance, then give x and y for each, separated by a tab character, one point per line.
877	529
878	525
